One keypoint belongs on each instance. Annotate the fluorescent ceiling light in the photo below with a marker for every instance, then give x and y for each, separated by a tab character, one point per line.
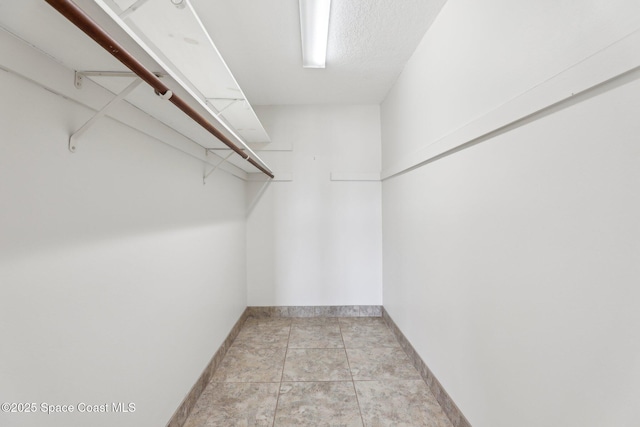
314	29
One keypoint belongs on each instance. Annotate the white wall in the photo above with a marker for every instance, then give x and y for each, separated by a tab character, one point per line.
512	265
121	274
313	241
477	56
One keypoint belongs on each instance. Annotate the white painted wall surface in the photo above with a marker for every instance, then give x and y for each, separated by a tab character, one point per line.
313	241
512	266
121	274
478	56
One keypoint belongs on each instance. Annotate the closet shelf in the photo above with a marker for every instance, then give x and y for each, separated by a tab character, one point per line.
136	46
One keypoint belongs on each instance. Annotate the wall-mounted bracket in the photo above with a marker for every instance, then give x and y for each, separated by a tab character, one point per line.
78	80
80	75
102	113
213	150
224	159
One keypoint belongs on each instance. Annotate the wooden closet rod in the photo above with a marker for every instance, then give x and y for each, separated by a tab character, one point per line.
81	20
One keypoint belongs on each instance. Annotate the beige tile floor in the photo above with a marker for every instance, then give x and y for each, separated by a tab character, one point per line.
316	372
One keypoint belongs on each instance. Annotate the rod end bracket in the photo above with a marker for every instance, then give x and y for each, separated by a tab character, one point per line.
72	143
78	80
165	96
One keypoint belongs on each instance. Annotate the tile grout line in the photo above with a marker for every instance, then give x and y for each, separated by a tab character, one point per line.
353	383
284	362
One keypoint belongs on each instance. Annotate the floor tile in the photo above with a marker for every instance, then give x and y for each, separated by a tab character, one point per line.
251	365
263	335
267	321
324	336
318	404
380	364
367	335
399	403
361	321
303	364
310	371
235	404
314	321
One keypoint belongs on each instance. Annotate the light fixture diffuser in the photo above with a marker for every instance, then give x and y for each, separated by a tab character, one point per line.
314	31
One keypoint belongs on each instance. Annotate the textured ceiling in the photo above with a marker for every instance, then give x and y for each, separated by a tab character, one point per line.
369	43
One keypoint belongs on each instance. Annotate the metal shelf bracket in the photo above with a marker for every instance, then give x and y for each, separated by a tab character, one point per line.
73	138
80	75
